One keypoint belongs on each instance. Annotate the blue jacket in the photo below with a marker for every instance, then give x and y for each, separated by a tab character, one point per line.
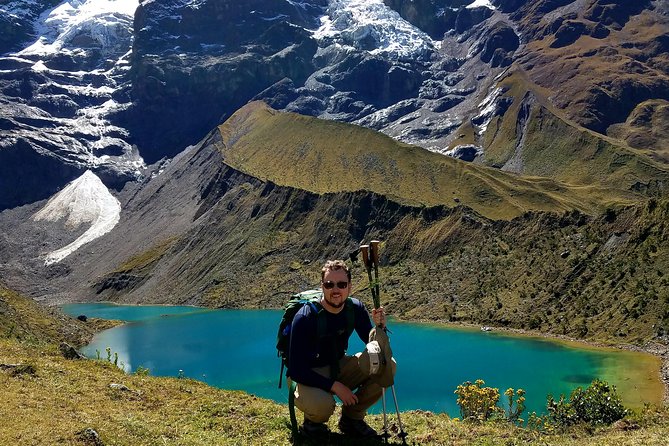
308	352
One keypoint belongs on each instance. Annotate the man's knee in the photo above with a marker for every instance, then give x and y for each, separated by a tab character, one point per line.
317	405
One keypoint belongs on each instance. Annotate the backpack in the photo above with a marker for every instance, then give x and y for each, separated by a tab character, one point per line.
295	304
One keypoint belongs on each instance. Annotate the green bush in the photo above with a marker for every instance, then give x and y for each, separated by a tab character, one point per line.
599	404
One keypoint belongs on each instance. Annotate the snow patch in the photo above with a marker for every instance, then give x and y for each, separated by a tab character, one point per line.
84	200
487	107
39	66
372	26
480	3
108	22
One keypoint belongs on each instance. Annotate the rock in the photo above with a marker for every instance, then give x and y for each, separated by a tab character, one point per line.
501	37
465	152
568	33
447	103
82	317
467	18
19	369
615	13
121	387
69	352
90	437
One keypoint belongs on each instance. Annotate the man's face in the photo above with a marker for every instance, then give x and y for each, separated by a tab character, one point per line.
334	296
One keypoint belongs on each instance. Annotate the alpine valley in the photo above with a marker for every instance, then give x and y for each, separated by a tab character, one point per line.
512	155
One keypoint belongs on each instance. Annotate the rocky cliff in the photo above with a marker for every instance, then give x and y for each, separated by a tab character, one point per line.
114	86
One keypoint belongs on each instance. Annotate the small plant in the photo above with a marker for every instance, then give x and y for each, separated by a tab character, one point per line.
477	403
142	371
109	358
513	413
599	404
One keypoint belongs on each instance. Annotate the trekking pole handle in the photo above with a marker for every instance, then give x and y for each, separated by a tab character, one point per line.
364	249
367	260
374	244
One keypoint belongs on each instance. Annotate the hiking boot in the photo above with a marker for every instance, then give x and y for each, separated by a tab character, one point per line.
356	428
314	430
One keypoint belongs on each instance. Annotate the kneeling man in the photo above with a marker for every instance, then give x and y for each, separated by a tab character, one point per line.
318	362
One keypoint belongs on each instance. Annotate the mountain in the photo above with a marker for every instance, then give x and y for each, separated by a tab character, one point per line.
247	216
461	133
112	86
63	77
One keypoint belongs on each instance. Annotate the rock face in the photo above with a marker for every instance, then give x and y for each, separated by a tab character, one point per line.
114	86
62	87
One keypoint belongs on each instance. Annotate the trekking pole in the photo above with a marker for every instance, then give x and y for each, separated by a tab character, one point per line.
367	261
374	244
364	249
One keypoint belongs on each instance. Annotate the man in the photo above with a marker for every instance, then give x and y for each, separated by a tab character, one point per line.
319	365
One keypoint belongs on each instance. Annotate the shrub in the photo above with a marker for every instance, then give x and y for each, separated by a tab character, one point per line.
477	403
142	371
513	413
599	404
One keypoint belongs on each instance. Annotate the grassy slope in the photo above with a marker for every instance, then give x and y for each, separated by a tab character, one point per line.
603	279
555	147
605	78
23	319
326	156
64	398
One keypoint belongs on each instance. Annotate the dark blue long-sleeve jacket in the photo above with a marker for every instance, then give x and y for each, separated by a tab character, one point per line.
307	351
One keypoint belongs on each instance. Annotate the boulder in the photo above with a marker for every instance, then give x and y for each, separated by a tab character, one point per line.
501	37
69	352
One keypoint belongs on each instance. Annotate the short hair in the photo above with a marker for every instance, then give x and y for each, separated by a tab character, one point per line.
334	265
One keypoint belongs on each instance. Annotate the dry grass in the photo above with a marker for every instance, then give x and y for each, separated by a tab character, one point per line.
63	398
325	156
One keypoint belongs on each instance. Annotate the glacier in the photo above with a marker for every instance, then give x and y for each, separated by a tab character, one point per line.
353	23
84	200
109	22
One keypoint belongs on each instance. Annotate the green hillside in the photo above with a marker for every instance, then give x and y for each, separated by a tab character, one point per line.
326	156
555	147
24	320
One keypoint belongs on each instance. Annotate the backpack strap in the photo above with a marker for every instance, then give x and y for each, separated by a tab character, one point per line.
291	408
350	316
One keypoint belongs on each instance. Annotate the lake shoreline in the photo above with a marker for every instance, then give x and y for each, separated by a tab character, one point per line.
656	349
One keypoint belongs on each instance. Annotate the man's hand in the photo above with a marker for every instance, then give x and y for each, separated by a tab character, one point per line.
347	397
379	317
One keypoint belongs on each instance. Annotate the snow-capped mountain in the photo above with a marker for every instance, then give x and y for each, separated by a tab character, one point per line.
370	25
64	93
116	85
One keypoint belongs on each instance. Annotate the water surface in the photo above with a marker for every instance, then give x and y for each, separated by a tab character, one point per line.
235	349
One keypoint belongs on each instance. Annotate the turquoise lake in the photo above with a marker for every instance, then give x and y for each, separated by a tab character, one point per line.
235	349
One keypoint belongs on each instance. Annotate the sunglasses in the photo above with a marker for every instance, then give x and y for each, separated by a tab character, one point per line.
330	284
